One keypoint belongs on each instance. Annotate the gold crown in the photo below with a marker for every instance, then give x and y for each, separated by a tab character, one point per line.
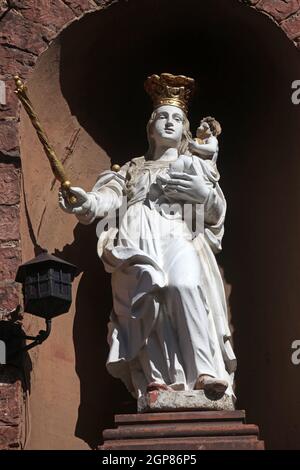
168	89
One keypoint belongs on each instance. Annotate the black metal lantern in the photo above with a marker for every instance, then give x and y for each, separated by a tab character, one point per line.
47	291
47	285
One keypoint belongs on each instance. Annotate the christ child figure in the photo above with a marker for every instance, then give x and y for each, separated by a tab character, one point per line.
206	145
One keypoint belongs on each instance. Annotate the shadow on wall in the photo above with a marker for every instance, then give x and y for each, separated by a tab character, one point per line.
100	394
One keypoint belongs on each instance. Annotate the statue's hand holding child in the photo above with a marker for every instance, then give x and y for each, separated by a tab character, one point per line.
180	185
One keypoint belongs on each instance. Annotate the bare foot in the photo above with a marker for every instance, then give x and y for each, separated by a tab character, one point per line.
213	388
158	386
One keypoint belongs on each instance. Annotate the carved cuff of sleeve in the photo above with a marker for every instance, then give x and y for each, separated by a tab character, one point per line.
212	209
87	216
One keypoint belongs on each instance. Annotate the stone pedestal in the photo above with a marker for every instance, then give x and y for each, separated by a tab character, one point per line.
162	400
183	430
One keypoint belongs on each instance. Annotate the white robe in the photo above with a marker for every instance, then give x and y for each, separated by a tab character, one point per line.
169	319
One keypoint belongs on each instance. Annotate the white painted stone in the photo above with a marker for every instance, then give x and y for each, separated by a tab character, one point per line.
180	401
169	320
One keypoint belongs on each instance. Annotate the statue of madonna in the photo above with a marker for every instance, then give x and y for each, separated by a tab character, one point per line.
168	328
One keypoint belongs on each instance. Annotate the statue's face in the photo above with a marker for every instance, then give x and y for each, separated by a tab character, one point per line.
167	126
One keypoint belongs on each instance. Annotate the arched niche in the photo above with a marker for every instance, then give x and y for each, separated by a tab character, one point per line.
87	88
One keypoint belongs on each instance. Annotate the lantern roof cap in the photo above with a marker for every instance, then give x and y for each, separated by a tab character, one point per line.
44	258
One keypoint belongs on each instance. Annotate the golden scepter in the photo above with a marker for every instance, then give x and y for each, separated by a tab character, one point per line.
56	165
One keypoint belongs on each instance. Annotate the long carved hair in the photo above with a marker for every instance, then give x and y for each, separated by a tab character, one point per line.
186	136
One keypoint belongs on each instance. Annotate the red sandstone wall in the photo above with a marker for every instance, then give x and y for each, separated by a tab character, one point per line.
26	29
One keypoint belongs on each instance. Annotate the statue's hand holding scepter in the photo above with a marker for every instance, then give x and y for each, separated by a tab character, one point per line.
82	204
56	165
